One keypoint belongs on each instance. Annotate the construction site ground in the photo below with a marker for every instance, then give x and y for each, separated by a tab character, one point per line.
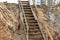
10	22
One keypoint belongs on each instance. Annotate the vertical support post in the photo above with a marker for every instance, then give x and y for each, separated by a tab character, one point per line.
27	34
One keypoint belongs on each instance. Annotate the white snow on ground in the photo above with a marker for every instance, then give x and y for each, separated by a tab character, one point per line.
10	1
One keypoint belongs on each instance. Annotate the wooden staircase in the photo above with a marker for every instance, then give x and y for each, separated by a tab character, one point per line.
34	32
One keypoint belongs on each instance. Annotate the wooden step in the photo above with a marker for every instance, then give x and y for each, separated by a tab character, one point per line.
33	24
33	33
35	30
31	21
33	27
30	18
26	7
28	11
29	15
24	3
35	38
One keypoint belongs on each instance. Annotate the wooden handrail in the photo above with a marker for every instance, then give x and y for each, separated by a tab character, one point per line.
44	23
37	21
45	26
23	14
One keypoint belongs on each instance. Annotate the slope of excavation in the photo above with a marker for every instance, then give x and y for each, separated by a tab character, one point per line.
9	23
